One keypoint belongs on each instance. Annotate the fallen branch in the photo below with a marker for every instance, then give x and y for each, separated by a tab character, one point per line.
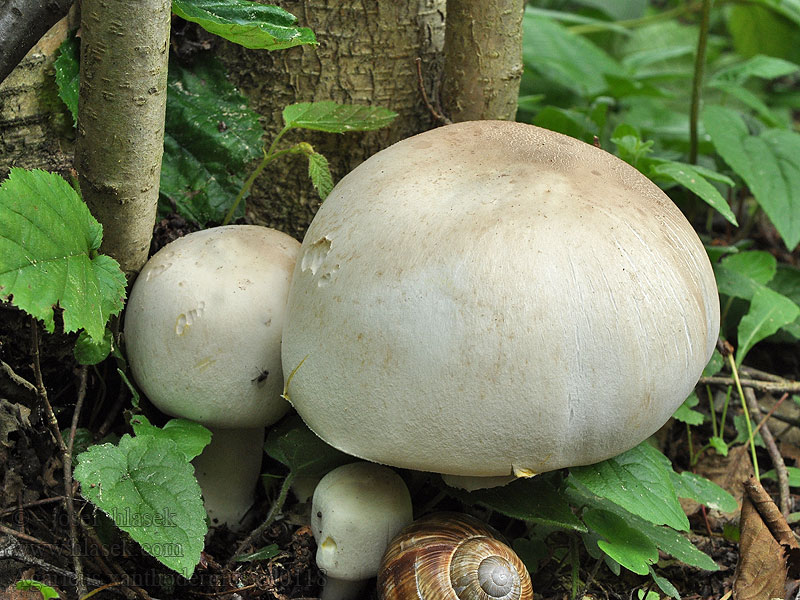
785	386
774	453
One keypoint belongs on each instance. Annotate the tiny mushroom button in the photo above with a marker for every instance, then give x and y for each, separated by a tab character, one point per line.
356	510
494	299
203	333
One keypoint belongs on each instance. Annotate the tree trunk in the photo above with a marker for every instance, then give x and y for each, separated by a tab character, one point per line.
366	55
35	126
483	64
124	51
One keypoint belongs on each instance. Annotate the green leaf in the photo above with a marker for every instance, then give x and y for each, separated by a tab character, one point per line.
714	365
763	67
685	414
569	60
48	254
336	118
792	472
691	178
743	434
638	481
148	488
626	545
320	174
757	265
769	311
90	352
537	500
700	489
45	590
190	437
249	24
67	67
264	553
768	163
665	586
766	29
210	137
296	446
719	445
666	539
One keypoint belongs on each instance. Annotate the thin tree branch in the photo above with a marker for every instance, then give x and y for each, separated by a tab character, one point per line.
22	24
782	387
774	453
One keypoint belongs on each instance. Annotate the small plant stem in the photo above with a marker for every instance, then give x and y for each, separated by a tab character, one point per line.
692	456
735	372
66	454
697	80
772	450
639	22
276	508
713	411
269	156
724	413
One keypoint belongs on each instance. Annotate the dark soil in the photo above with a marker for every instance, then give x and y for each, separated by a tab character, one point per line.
35	540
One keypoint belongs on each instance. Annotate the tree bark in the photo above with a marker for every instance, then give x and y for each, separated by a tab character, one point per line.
366	55
35	126
124	51
483	63
22	24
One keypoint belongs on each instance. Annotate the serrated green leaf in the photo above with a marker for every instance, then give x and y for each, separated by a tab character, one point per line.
536	500
639	481
292	443
249	24
67	67
190	437
320	174
336	118
90	352
627	546
48	254
690	177
769	311
148	488
210	137
700	489
46	591
685	414
769	163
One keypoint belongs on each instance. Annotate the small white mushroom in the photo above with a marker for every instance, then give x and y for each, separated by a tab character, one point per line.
203	333
356	510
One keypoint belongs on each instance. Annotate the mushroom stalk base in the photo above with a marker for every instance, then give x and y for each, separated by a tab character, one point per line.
227	471
341	589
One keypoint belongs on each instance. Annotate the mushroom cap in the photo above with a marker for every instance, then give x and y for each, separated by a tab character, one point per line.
356	511
203	325
491	298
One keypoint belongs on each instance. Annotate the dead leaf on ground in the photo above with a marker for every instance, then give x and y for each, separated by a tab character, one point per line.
728	472
767	548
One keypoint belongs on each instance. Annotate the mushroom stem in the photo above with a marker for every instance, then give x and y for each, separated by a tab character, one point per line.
227	471
340	589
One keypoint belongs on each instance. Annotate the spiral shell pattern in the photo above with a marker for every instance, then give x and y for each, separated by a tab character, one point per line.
449	556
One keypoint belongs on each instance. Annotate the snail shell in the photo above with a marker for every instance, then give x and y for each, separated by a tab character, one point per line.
447	556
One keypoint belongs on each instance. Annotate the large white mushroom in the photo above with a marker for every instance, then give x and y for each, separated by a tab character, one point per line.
495	299
203	332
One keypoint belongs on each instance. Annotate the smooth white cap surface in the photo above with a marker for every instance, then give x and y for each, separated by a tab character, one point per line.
492	298
356	510
203	325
